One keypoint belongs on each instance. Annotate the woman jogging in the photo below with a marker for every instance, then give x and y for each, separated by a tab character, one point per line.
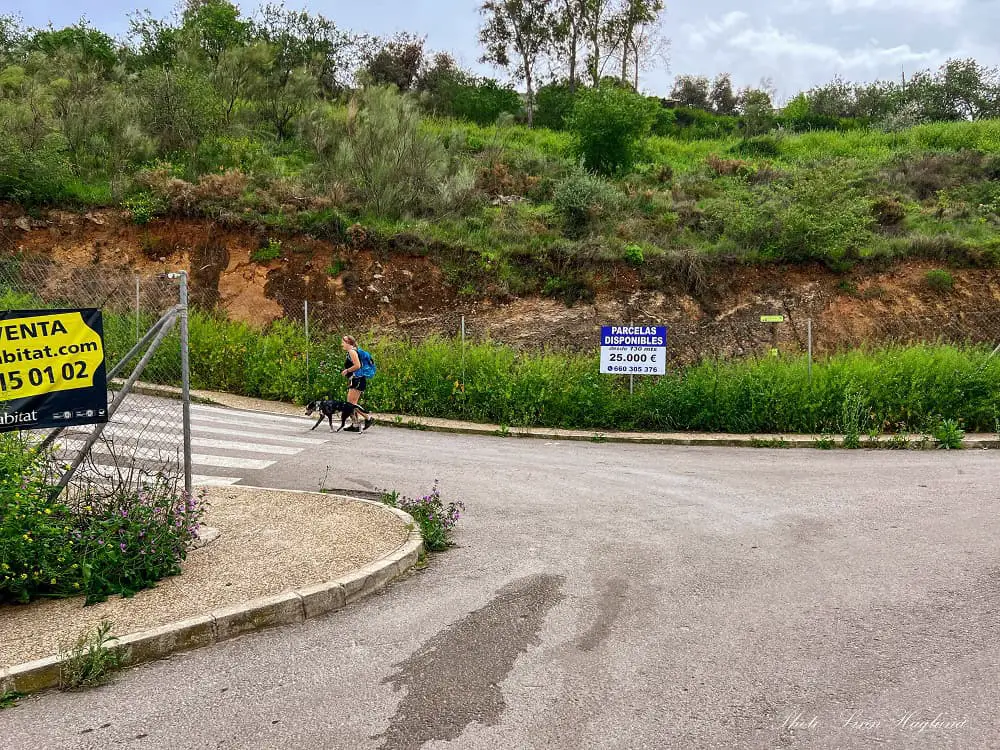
358	367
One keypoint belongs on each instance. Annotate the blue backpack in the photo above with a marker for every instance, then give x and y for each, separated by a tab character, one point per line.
368	368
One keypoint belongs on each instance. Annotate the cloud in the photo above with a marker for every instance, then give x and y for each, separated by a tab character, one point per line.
766	42
772	43
931	7
713	29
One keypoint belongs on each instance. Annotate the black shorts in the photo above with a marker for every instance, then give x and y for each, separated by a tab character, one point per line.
358	384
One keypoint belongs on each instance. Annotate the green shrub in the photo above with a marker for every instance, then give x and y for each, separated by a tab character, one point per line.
634	255
761	146
581	199
143	207
553	105
38	554
484	102
34	175
819	214
114	541
693	124
393	165
92	660
270	251
939	280
608	124
949	435
436	520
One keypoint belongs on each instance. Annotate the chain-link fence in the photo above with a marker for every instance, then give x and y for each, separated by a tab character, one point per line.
144	440
753	332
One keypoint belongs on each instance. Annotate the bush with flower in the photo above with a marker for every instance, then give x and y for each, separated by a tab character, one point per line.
108	540
436	520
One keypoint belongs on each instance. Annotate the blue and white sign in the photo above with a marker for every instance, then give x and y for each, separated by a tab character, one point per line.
634	350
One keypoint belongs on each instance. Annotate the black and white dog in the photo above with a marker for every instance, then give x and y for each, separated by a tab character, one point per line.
326	410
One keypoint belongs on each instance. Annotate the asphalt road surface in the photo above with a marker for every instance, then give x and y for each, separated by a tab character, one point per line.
611	596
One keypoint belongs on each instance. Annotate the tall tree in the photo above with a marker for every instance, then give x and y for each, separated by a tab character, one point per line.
691	91
626	27
757	110
722	98
397	62
12	36
649	43
567	36
152	42
515	34
597	19
93	46
212	27
302	38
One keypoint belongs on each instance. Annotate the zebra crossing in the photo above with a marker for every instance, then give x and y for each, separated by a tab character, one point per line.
226	444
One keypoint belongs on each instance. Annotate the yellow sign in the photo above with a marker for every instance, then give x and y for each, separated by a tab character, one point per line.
43	353
772	318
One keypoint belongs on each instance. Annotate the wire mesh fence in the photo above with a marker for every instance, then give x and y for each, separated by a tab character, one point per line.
309	334
747	334
143	443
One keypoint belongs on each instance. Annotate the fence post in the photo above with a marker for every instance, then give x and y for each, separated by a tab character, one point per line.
631	378
185	381
305	308
137	304
463	351
809	328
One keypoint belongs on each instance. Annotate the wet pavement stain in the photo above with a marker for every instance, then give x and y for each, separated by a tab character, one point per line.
454	679
610	603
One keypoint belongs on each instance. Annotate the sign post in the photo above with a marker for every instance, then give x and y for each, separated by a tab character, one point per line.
774	331
52	370
633	350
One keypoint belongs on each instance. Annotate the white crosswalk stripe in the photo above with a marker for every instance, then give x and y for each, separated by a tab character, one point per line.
104	474
139	453
129	438
173	432
271	420
221	439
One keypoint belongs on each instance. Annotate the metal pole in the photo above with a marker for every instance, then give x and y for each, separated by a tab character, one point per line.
463	351
809	328
631	378
185	382
305	308
137	303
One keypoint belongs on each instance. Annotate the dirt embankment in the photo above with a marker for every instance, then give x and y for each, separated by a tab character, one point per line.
401	292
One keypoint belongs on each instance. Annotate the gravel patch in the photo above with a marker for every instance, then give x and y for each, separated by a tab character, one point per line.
270	542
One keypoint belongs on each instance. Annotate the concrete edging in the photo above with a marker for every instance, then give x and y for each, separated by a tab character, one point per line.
222	624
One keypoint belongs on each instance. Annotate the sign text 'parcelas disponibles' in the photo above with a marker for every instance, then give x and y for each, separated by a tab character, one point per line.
634	350
52	371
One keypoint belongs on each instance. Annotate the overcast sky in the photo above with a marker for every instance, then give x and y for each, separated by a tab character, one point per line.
796	43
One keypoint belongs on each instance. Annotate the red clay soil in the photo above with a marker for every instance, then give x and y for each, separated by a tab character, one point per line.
401	292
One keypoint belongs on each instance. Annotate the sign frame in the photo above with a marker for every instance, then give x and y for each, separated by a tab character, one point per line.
634	350
53	369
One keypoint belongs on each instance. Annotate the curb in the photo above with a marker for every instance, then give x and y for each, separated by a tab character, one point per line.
770	440
286	608
884	442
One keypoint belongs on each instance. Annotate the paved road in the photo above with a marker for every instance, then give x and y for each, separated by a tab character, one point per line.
610	596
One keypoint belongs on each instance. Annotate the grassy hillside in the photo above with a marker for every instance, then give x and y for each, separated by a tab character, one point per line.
506	210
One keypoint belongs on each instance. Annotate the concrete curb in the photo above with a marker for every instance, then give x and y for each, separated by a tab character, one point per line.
286	608
971	442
